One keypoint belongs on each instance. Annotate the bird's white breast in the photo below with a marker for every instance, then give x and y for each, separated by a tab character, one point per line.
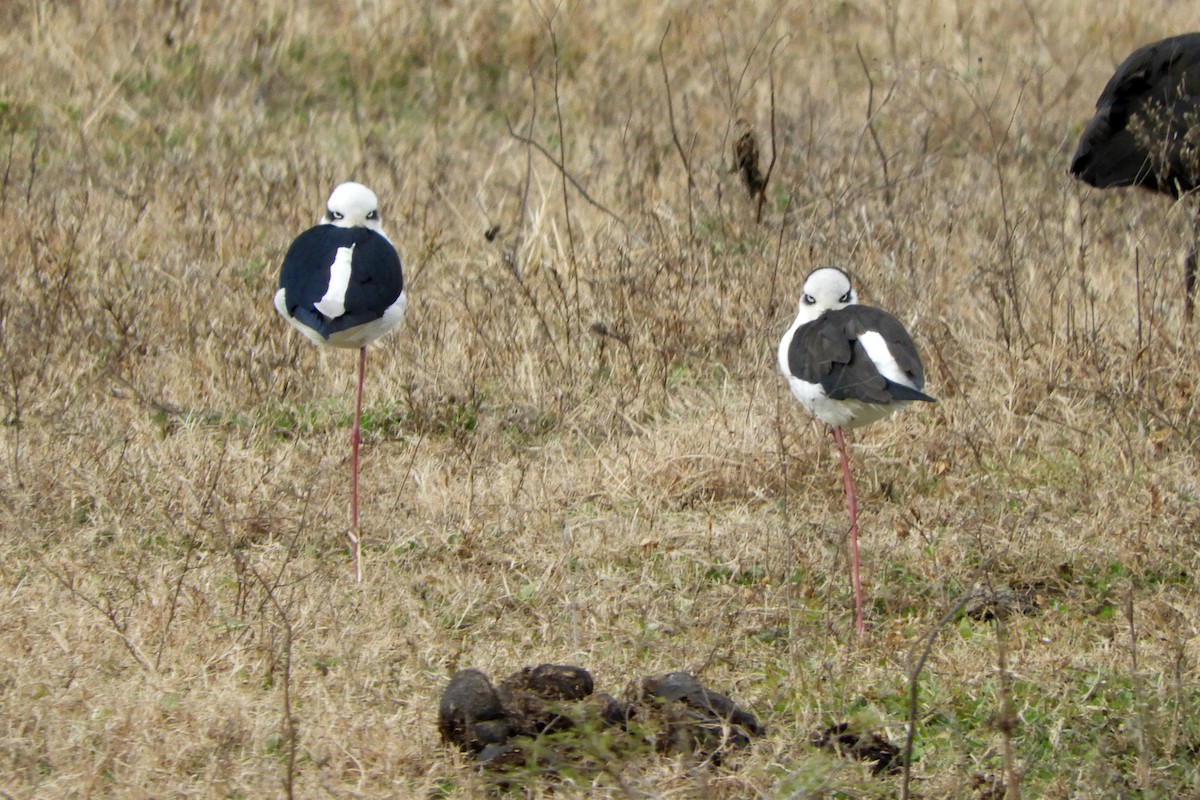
838	413
784	345
363	335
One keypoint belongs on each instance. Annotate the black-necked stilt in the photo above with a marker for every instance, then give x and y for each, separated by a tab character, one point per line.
1146	131
341	285
849	365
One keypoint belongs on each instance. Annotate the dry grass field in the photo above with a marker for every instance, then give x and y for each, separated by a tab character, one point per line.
578	448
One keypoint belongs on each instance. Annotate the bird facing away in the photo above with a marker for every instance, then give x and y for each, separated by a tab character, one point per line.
1146	131
848	365
341	285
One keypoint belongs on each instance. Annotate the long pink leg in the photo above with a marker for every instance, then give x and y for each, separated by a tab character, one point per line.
852	507
354	438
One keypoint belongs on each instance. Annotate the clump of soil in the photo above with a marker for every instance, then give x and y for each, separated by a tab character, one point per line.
1026	598
690	717
505	725
872	747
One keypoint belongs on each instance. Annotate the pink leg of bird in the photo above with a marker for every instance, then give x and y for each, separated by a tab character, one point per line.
355	551
852	507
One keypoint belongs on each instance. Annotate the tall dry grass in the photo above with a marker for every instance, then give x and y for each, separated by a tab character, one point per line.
577	447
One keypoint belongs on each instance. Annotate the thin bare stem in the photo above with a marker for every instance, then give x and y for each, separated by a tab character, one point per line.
1006	718
570	178
562	142
522	211
687	165
1143	748
762	195
871	111
925	646
288	726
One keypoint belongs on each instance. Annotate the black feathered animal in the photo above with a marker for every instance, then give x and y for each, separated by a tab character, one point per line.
1146	131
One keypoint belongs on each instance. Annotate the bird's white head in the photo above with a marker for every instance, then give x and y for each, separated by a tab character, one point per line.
825	289
352	205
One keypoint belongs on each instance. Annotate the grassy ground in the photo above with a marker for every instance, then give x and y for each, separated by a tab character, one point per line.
577	448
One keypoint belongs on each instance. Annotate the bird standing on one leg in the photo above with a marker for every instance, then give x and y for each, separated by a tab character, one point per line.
341	285
849	365
1146	131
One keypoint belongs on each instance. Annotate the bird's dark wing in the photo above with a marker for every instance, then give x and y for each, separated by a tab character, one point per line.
375	276
376	280
1145	132
828	351
305	270
817	347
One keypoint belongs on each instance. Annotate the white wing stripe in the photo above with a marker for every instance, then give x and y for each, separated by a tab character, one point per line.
333	304
881	356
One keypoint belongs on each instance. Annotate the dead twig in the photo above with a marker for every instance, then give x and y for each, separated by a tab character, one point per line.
871	112
570	178
687	165
925	645
289	730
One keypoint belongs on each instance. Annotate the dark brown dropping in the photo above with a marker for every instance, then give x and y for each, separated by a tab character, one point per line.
470	714
693	718
839	738
745	158
552	682
537	699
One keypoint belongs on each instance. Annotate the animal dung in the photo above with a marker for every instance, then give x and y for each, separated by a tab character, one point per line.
1025	598
471	714
671	713
860	746
697	719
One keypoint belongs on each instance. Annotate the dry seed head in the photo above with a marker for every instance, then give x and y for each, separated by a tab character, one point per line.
745	158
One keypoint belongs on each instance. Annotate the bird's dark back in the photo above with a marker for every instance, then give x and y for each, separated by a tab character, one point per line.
375	284
828	351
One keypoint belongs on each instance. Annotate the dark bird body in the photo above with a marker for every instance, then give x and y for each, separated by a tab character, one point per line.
829	352
375	284
1144	132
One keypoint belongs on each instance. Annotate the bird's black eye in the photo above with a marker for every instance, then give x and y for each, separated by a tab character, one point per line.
808	299
844	298
335	214
372	215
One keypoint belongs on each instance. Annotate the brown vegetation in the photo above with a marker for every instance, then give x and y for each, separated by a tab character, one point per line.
577	449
